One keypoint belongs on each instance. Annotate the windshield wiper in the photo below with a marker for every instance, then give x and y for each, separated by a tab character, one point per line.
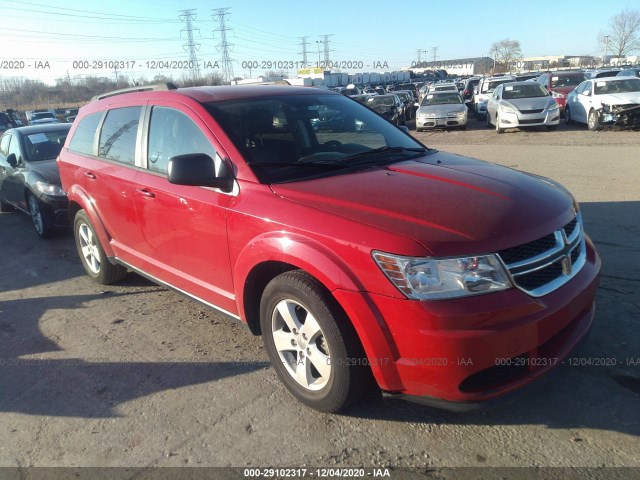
319	163
383	150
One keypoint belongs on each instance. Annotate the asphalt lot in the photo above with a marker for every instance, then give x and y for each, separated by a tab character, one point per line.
135	375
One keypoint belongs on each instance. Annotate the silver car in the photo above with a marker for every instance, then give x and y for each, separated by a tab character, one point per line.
441	110
522	104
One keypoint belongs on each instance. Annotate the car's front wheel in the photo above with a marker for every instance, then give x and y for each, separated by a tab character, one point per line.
498	128
567	116
311	343
40	217
593	122
92	256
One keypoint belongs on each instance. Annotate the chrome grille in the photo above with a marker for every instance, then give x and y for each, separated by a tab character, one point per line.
544	265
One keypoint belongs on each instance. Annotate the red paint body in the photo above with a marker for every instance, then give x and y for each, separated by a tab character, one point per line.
207	243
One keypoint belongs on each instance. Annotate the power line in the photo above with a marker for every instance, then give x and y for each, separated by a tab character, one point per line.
191	47
325	42
224	45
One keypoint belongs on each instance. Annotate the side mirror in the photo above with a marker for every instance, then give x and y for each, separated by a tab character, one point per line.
198	169
12	160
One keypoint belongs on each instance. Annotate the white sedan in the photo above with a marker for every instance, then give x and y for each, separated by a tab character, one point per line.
522	104
605	101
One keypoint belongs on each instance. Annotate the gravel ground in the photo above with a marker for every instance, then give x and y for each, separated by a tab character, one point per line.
136	375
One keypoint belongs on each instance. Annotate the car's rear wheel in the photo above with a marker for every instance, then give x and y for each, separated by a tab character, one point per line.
92	255
593	122
311	343
40	217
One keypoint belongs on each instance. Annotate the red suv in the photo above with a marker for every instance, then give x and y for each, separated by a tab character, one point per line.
356	254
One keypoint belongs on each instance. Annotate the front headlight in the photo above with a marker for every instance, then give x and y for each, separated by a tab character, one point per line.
50	189
457	113
507	109
432	278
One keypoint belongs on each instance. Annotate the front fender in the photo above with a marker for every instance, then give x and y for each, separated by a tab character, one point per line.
77	195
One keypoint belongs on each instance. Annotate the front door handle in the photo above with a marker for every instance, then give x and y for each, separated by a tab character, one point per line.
145	193
90	175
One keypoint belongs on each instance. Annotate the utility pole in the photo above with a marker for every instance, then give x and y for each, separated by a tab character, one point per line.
187	16
304	51
606	48
224	46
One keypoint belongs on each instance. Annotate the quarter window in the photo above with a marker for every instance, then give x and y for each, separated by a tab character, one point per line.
4	145
118	135
172	133
85	133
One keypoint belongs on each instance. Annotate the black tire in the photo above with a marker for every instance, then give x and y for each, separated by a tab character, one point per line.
567	116
91	253
551	128
487	120
498	129
325	367
593	121
40	216
463	127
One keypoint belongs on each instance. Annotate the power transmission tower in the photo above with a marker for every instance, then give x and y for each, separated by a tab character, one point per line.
187	16
435	53
325	43
304	51
224	46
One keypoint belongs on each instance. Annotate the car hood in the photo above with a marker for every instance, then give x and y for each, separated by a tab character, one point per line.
381	108
534	103
449	204
47	169
620	98
441	109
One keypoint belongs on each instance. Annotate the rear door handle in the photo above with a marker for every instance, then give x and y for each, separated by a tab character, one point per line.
145	193
90	175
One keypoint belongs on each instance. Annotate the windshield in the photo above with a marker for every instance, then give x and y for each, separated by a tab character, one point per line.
628	85
441	99
44	145
298	137
489	87
529	90
375	101
40	116
567	80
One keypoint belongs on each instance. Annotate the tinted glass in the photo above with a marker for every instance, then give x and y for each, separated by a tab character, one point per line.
566	80
118	135
172	133
82	140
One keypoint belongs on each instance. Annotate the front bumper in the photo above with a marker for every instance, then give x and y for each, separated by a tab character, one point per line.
461	353
516	120
441	121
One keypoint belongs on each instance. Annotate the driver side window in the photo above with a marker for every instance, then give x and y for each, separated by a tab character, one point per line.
172	133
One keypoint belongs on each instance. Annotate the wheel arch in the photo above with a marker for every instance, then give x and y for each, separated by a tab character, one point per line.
80	200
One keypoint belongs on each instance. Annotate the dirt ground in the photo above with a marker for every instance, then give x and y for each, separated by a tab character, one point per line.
135	375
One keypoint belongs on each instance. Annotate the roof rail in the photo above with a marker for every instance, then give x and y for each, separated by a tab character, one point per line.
139	88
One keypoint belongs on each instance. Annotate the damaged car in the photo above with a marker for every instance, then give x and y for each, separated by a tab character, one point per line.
605	102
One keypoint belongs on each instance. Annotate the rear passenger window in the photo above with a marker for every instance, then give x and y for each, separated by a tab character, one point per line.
118	135
173	133
82	140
